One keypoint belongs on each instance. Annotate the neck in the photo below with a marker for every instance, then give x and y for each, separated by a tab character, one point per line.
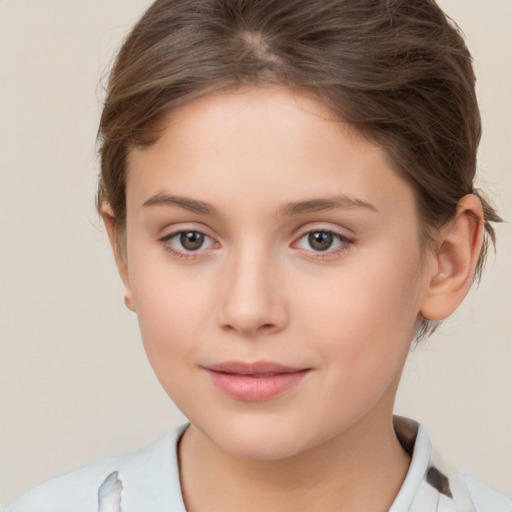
360	469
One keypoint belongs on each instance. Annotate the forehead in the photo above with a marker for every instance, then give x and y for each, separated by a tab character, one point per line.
270	144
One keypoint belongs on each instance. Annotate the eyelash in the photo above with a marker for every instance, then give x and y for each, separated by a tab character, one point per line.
344	242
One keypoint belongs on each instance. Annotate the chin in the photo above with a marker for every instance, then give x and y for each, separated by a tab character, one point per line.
259	440
260	447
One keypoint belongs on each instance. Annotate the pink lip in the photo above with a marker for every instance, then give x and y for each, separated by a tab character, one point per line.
256	381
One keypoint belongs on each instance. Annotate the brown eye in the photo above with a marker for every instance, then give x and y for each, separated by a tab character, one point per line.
323	243
320	240
191	240
188	244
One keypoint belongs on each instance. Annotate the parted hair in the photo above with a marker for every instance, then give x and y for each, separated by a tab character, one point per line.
397	71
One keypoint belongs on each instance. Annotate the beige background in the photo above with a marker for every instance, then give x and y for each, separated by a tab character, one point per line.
74	381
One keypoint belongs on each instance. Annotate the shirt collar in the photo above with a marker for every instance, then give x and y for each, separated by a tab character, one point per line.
430	485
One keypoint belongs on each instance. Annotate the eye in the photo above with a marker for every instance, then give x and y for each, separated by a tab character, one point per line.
322	241
191	240
182	243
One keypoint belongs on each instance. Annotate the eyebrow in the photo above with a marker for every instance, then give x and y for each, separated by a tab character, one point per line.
296	208
316	205
192	205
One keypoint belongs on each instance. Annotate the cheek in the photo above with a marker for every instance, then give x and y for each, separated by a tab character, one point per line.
366	314
171	310
366	295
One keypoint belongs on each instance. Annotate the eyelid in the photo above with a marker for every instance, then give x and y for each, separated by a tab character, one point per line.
325	227
172	229
336	235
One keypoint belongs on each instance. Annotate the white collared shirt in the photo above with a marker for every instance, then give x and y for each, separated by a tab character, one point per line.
150	482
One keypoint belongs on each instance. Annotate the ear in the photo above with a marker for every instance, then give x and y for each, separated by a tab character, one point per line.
454	261
119	252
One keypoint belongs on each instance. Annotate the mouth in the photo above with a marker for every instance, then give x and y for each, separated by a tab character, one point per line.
254	382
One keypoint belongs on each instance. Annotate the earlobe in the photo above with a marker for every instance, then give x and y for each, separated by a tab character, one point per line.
119	254
455	258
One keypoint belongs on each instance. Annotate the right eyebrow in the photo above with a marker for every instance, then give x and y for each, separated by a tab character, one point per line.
191	205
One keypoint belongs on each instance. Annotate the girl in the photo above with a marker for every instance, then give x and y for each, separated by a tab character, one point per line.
288	191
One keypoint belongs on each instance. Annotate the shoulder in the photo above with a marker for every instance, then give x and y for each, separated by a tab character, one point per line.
485	499
147	471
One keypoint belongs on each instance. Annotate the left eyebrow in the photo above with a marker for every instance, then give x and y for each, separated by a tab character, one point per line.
321	204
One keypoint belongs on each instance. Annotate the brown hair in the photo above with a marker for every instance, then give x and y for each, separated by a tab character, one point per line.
398	71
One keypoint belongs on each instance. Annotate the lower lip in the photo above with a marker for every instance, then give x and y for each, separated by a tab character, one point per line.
255	389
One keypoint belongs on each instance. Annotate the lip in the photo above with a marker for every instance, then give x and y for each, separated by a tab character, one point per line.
254	381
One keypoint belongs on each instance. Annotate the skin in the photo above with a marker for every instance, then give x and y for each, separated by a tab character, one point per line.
258	289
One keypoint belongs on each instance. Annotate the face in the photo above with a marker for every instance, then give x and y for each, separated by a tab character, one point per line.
274	263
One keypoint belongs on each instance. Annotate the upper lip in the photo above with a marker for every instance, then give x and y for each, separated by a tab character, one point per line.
253	368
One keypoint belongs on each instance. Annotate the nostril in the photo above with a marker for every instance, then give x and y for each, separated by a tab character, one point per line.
266	327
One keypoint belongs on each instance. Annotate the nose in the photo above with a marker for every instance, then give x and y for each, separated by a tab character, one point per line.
252	298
